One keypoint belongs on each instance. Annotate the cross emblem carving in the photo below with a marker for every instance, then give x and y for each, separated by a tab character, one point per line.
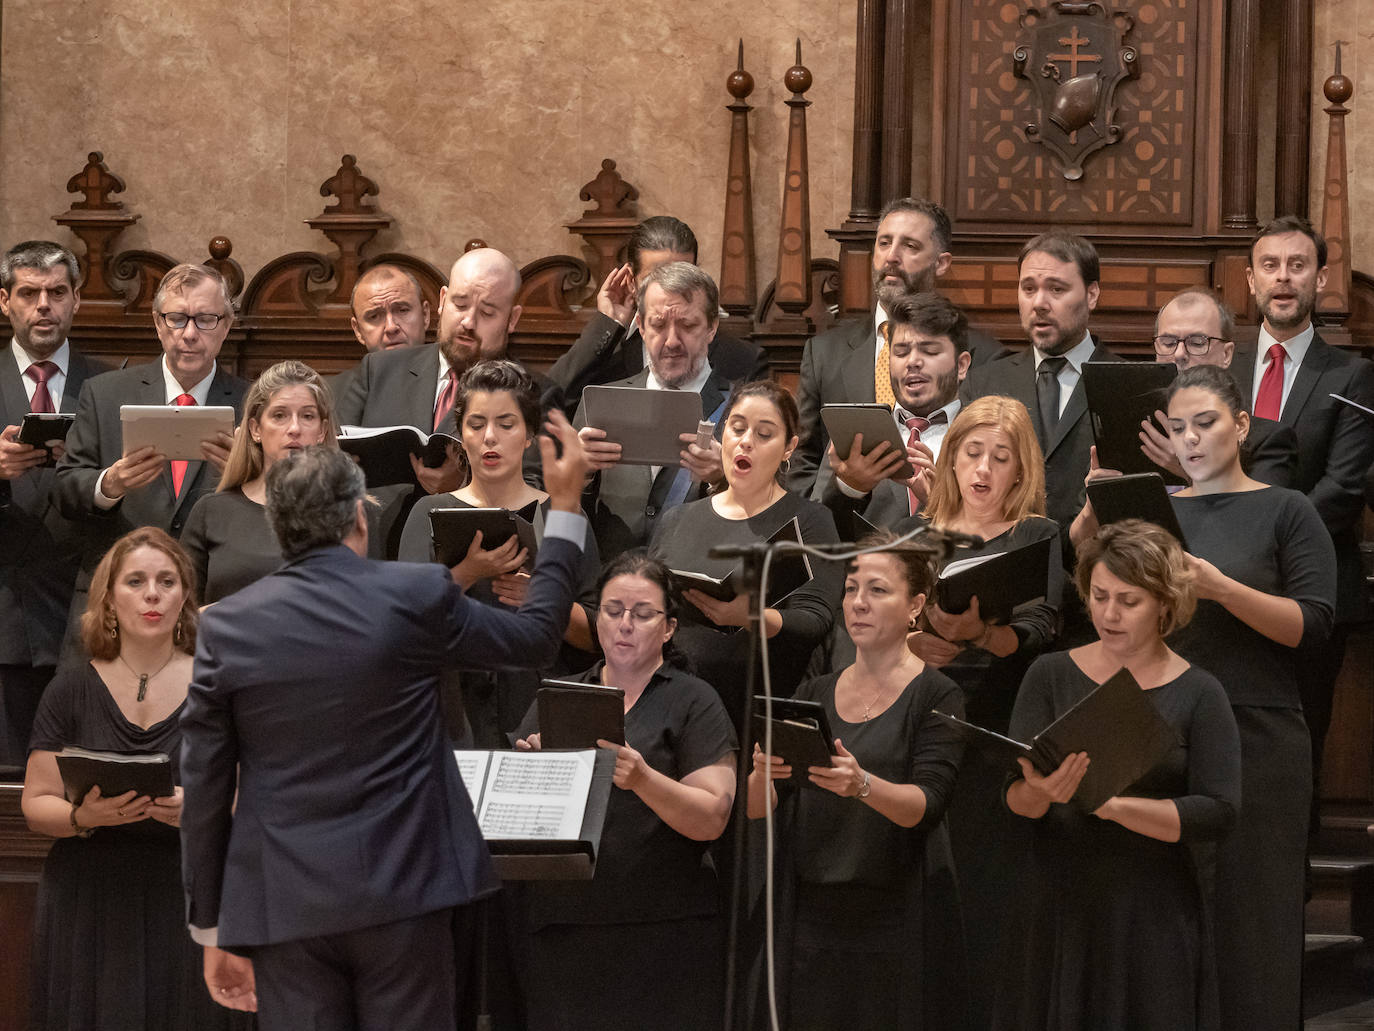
1073	42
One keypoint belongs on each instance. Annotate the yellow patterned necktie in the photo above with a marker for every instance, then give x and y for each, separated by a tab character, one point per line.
882	374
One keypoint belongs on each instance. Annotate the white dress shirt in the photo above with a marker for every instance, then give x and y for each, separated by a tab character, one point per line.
1072	371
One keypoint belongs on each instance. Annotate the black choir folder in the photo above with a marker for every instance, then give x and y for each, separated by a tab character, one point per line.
44	429
452	530
1002	582
801	734
1138	496
541	813
148	773
1119	728
786	572
573	715
384	451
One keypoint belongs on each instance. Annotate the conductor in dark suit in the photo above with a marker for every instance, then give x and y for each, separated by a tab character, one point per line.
326	832
848	363
676	314
611	347
108	493
40	371
1290	376
1196	328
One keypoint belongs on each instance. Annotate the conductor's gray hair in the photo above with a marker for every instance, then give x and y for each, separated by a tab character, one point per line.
312	499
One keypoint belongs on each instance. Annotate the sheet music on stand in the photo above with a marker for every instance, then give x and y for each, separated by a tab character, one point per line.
540	812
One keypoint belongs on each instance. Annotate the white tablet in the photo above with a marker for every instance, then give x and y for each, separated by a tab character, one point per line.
174	431
645	423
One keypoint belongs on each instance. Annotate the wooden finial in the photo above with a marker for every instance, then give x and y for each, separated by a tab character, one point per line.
350	187
611	193
220	247
740	83
798	77
1338	88
97	182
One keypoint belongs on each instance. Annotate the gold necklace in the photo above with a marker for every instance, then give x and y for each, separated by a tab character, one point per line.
143	678
876	699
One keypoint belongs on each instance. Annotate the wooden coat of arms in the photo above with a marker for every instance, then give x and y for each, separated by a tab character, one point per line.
1074	55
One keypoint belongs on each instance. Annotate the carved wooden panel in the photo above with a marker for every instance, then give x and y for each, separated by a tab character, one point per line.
989	284
995	175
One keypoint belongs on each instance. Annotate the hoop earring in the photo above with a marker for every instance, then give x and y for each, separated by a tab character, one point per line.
785	466
911	623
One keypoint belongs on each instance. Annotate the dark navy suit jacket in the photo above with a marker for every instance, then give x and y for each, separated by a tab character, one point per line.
319	685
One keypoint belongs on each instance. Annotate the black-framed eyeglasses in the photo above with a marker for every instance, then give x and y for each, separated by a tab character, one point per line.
178	319
1194	343
641	613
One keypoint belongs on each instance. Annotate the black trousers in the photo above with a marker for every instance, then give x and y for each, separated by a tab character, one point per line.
383	978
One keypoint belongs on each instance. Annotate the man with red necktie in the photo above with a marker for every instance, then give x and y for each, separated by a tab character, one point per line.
110	493
1290	377
40	371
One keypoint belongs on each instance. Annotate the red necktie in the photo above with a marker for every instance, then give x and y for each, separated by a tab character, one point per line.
1269	399
40	373
446	397
917	426
179	467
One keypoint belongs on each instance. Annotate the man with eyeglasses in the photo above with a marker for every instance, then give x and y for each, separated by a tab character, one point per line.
1196	328
110	492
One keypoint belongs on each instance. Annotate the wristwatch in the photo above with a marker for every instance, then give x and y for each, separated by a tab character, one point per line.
866	787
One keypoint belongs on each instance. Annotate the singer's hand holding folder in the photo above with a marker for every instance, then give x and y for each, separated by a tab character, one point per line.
1119	728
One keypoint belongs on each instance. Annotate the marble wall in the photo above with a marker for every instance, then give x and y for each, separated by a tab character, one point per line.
476	120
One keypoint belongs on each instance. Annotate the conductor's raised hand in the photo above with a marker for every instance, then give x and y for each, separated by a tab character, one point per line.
630	767
1060	785
138	468
230	981
843	776
862	472
777	769
616	298
565	473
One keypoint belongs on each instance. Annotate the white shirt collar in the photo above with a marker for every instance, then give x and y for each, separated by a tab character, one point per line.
61	357
1077	355
173	389
1295	346
695	385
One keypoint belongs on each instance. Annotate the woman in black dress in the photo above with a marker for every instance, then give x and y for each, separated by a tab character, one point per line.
497	413
1266	580
864	951
760	433
227	535
1117	933
640	944
110	945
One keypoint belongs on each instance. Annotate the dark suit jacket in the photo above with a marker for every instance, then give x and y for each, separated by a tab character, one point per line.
837	368
319	685
1066	452
96	442
1270	453
624	501
1335	450
606	352
40	551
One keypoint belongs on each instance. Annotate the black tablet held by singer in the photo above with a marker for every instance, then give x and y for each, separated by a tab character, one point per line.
801	734
1139	496
575	715
1120	396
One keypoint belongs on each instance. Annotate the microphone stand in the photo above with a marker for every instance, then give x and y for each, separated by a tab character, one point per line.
750	579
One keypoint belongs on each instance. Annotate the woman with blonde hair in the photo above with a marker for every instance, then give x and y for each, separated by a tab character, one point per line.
110	942
989	481
227	536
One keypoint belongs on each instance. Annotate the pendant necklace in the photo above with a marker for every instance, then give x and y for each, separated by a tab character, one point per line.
143	678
